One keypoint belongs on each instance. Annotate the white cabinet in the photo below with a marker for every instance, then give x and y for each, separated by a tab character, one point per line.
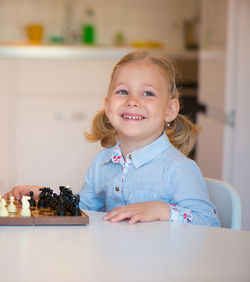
6	121
45	106
212	87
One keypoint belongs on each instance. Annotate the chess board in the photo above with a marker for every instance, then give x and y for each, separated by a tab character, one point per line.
42	217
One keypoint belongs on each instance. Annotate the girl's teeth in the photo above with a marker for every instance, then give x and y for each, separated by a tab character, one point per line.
132	117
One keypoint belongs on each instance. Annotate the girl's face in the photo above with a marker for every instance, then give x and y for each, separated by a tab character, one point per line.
139	104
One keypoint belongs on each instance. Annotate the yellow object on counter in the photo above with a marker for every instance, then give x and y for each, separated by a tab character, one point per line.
147	44
35	33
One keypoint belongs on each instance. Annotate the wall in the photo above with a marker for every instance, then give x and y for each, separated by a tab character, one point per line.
160	20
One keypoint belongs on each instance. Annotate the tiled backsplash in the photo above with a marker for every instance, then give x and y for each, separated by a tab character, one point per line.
138	20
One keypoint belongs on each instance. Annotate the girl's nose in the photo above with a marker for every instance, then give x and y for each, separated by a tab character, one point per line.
132	102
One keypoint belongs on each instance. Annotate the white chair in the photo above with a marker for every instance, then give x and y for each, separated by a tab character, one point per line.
227	202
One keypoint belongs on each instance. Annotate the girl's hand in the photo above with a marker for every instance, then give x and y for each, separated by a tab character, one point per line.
143	211
19	191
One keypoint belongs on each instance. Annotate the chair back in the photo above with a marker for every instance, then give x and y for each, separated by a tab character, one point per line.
227	202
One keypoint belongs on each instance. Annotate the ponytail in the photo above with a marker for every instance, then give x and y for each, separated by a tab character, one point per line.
182	134
102	130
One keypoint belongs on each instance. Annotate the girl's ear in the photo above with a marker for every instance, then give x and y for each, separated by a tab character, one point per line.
172	110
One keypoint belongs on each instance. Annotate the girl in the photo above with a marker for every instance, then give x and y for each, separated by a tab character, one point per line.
144	175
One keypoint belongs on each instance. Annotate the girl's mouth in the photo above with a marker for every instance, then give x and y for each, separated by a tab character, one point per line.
132	117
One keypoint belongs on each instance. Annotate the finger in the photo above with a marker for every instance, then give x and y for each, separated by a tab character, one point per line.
113	213
6	196
134	219
121	216
16	194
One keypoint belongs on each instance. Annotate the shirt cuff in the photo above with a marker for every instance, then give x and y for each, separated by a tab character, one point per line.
179	214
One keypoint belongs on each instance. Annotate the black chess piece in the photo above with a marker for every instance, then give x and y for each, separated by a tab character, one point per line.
54	202
76	209
42	199
62	190
61	209
32	201
49	197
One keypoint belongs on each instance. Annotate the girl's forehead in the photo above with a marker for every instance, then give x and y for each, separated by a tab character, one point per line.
140	67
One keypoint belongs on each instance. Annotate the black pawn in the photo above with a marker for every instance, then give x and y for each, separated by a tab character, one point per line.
76	210
32	201
61	210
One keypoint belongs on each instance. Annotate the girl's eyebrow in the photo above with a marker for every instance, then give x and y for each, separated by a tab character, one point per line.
120	84
151	86
115	86
143	85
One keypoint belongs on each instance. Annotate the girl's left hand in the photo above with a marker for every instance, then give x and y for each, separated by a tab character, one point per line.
143	211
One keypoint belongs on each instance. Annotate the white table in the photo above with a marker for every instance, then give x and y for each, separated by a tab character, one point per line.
102	251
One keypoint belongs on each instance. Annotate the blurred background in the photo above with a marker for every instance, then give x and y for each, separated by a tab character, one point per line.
56	57
128	21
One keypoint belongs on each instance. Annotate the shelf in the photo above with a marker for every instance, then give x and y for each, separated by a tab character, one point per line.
88	52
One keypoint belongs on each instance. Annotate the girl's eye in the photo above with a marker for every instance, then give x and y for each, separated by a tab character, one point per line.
148	93
122	92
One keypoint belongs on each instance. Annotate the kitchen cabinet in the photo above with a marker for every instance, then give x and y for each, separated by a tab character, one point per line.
6	125
45	107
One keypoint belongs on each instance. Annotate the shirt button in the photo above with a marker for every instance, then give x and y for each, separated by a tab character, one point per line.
117	189
130	157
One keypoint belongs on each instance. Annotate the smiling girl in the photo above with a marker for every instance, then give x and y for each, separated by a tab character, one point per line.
144	175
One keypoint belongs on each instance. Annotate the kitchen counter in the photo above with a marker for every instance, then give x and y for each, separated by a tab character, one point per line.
71	52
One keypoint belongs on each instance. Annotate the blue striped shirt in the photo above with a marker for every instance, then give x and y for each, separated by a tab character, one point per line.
158	172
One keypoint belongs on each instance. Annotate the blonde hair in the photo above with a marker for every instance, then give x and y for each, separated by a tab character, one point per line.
182	133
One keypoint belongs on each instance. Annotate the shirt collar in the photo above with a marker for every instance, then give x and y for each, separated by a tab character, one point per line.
144	154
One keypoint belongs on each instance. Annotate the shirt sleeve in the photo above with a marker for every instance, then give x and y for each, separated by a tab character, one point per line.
89	198
179	214
190	201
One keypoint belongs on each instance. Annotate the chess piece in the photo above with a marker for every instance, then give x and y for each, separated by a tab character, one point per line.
76	210
54	201
3	210
32	201
25	211
11	206
60	209
42	199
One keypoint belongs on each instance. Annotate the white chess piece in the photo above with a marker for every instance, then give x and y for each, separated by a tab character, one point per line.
25	211
12	207
3	210
0	201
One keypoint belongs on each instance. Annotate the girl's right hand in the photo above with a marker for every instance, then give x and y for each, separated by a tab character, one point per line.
24	190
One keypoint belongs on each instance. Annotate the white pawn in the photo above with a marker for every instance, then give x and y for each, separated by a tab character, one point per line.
3	210
12	207
25	211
